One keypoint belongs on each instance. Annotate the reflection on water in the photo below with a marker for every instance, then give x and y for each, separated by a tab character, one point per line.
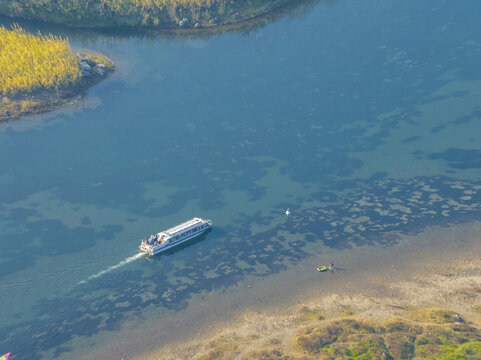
345	115
87	36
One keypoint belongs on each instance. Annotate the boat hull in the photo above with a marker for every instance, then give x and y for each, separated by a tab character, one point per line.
160	249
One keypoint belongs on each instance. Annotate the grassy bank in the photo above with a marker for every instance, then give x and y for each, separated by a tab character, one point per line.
430	334
421	333
151	13
29	62
39	73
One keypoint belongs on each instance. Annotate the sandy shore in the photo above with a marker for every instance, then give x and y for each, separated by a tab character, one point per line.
418	289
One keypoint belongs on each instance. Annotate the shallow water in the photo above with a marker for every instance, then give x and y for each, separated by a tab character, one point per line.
363	119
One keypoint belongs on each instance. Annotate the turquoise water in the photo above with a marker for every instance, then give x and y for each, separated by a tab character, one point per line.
362	117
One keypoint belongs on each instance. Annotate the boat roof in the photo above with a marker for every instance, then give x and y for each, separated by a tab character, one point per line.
183	226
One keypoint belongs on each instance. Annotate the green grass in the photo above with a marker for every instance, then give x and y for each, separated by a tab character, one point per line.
437	316
433	335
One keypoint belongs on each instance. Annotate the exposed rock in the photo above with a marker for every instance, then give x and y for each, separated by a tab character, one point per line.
197	25
85	68
87	60
183	22
100	69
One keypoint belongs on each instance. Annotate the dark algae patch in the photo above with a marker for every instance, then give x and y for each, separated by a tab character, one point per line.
460	158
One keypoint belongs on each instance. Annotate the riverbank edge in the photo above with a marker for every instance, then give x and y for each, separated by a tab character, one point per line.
180	21
442	297
45	100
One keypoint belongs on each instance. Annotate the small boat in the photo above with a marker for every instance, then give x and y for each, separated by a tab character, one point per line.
288	212
5	357
172	237
322	268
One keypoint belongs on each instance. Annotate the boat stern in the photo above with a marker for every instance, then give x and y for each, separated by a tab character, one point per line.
144	247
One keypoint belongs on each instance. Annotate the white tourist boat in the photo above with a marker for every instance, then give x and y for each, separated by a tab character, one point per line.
167	239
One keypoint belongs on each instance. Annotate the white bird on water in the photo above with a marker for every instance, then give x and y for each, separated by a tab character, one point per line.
288	212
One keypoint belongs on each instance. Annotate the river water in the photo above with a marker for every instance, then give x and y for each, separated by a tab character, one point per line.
363	118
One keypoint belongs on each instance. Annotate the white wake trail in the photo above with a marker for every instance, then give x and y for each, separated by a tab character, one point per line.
109	269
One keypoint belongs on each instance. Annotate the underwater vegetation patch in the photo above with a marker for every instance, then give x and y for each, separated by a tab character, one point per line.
460	158
371	215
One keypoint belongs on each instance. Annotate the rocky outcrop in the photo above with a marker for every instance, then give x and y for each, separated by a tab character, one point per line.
89	66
